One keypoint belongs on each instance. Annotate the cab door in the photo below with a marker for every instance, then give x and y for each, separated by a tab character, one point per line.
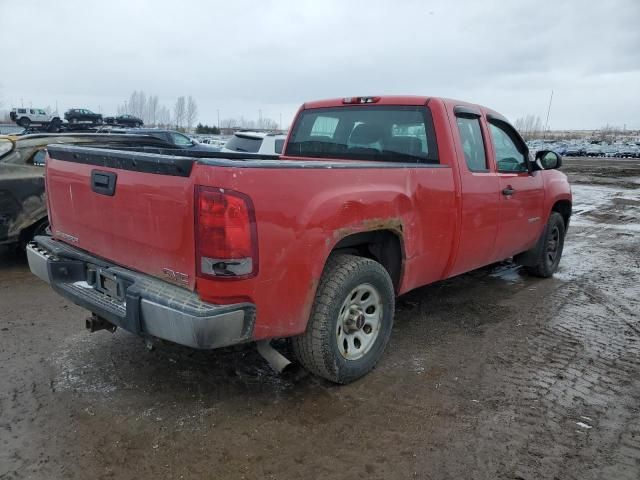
521	191
41	116
480	191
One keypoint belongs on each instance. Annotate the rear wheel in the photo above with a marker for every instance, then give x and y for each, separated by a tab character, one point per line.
552	246
24	122
54	125
350	321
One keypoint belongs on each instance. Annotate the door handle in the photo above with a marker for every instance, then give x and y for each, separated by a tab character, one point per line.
508	191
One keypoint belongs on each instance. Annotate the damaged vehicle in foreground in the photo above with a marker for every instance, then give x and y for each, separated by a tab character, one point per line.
23	209
373	197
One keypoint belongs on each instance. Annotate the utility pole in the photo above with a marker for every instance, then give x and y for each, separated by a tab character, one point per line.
548	112
280	124
218	118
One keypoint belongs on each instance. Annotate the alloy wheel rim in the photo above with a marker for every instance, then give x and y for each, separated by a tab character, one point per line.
359	321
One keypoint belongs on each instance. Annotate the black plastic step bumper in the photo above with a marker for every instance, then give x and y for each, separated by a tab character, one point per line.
136	302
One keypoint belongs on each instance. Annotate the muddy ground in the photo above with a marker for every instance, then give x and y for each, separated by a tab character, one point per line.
493	374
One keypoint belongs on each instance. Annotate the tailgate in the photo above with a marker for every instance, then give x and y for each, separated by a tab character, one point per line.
133	209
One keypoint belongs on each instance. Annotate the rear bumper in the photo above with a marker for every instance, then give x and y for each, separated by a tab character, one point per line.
145	305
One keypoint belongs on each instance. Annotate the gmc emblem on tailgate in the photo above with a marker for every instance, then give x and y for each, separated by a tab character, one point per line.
67	237
176	277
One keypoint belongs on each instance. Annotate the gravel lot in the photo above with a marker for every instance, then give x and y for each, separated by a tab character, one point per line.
492	374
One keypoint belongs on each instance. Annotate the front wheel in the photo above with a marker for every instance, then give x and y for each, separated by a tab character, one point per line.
351	320
550	252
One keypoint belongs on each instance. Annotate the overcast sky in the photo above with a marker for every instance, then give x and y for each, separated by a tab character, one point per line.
241	57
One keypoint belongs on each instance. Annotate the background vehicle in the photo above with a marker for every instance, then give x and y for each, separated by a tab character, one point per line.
255	142
126	120
574	151
82	115
22	197
593	150
374	196
172	138
628	151
26	117
609	150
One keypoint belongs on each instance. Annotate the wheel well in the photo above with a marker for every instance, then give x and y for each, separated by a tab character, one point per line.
383	246
563	207
27	233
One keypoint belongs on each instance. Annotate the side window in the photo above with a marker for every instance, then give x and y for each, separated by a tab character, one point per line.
510	156
38	158
278	146
472	144
180	140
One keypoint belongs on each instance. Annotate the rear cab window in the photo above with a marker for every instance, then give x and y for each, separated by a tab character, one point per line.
472	143
389	133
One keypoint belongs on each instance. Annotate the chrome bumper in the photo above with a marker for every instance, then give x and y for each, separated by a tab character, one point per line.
147	306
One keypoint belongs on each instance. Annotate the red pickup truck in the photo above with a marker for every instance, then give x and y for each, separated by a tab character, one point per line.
373	197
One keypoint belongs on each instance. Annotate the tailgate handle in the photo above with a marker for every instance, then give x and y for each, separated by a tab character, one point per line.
103	183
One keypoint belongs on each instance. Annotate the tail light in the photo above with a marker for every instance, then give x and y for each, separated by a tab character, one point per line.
226	234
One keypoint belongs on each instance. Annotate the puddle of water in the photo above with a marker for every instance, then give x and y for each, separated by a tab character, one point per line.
509	273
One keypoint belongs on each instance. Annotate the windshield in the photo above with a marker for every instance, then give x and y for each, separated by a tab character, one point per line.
241	143
365	132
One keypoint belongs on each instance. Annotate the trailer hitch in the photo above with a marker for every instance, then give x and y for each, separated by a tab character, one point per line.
95	323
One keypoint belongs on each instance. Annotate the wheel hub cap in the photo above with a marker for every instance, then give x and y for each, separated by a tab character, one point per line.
359	321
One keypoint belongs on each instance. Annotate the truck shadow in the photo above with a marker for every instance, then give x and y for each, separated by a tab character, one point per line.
176	375
10	258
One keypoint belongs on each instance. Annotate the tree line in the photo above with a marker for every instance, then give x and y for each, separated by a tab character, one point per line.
183	116
207	130
263	123
529	126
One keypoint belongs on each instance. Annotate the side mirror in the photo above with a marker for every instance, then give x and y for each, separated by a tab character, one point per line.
549	159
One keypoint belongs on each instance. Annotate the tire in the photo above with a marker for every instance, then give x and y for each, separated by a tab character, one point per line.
550	252
329	347
24	122
54	125
40	228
